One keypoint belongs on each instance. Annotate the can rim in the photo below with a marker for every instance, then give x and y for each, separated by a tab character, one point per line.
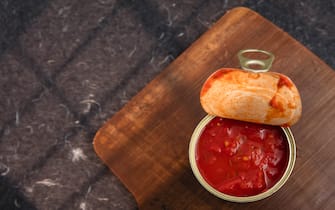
290	165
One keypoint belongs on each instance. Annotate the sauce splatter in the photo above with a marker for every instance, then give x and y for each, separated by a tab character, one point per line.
215	76
276	104
284	81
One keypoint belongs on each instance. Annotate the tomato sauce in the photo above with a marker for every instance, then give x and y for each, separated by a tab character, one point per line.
241	158
276	104
284	81
216	75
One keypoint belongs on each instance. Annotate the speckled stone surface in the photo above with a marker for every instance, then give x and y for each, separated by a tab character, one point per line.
66	66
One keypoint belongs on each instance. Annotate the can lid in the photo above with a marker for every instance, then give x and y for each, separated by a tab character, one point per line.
263	64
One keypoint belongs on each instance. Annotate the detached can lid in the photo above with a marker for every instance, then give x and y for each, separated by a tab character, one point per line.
252	93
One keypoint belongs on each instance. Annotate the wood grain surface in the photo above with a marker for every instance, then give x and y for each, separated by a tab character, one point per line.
146	143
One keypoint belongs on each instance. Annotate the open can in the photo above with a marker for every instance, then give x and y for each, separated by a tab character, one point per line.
265	65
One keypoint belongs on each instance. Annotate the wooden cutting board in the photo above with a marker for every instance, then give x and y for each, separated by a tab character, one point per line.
146	143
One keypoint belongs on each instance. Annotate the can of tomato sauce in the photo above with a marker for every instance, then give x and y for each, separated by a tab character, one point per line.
241	161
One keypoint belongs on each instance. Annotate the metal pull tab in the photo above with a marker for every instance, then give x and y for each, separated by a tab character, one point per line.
264	64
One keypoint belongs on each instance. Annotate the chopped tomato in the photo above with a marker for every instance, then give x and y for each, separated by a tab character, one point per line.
241	158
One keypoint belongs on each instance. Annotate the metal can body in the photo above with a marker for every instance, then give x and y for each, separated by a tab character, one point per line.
192	157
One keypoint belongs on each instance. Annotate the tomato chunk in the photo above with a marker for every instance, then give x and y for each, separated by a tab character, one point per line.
241	158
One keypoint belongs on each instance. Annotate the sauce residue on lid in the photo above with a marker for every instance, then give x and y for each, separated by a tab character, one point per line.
241	158
284	81
215	76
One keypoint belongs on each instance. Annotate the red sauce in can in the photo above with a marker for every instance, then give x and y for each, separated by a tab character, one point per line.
241	158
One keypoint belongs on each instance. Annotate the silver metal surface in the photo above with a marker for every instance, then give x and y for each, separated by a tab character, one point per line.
263	64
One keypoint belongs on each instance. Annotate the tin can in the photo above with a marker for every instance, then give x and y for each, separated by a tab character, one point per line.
192	157
246	64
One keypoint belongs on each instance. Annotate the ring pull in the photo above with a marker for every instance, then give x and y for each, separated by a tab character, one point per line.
263	64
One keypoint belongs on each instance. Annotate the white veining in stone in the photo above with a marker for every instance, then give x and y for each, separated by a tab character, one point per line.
132	52
89	101
48	182
17	118
103	199
4	169
77	154
82	206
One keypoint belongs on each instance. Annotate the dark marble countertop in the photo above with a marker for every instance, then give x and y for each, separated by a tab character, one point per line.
66	66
